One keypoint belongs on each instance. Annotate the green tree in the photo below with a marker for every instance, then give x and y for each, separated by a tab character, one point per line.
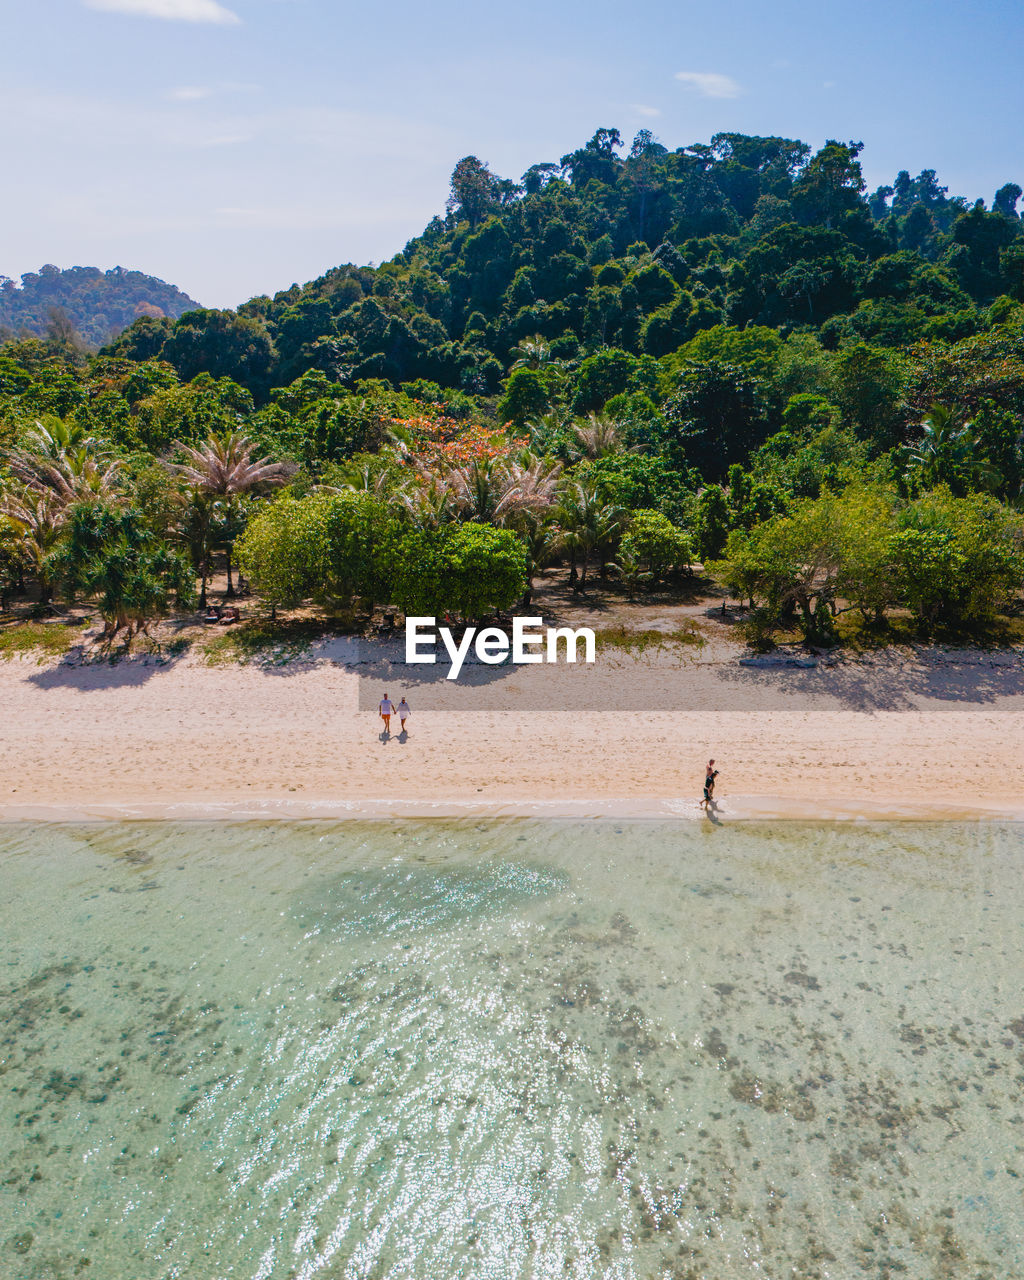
635	481
656	542
711	522
284	552
717	417
527	395
476	191
755	348
221	470
470	569
790	564
870	388
949	452
603	375
189	413
589	523
109	552
831	184
960	560
222	344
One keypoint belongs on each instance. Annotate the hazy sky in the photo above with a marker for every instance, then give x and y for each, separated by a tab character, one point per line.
235	146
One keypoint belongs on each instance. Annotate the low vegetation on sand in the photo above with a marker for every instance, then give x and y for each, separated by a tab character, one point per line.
645	640
51	639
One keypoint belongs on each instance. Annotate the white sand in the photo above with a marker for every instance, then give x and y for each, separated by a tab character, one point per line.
907	734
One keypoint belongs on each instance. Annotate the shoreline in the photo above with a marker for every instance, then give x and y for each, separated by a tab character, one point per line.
732	809
937	737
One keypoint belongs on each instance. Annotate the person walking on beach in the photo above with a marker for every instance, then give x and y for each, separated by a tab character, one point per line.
710	774
386	710
403	712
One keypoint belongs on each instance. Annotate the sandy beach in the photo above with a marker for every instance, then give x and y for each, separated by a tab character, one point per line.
912	733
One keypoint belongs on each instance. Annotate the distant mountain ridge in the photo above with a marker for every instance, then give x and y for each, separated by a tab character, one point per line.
98	304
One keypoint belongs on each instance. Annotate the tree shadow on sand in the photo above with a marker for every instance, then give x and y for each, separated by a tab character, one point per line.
890	683
89	674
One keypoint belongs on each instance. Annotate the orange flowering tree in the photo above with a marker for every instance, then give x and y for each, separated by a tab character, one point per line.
439	445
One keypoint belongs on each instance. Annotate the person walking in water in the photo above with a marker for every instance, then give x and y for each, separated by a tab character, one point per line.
403	712
710	774
386	710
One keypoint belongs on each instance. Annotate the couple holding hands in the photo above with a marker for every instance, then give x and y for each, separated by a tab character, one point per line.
387	709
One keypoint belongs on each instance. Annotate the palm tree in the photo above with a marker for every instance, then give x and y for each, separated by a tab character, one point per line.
630	569
110	553
38	515
476	491
427	501
378	481
541	538
498	491
72	477
58	436
222	469
588	523
544	431
64	458
599	435
948	454
532	487
532	353
12	559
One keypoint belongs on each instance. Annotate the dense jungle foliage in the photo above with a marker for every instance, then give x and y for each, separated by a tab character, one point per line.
631	360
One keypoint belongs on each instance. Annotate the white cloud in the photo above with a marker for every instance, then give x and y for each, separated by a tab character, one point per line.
172	10
642	110
199	92
224	139
712	84
189	93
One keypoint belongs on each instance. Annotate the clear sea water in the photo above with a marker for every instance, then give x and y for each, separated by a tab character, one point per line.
511	1049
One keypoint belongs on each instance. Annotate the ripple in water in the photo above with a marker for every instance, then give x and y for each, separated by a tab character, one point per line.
511	1050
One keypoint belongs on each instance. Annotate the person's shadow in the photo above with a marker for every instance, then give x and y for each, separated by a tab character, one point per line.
385	736
403	735
711	812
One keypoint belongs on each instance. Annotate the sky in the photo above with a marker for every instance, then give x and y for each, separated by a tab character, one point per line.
234	147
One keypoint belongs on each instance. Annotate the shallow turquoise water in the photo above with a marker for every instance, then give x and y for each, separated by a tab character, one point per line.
514	1049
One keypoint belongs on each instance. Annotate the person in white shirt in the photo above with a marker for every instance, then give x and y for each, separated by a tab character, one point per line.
386	710
403	712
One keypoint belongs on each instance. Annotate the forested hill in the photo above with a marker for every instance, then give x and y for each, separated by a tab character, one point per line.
632	356
95	304
637	249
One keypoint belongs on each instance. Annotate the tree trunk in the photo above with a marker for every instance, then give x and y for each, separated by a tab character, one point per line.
231	586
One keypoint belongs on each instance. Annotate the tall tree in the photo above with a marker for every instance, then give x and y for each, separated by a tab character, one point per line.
222	470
